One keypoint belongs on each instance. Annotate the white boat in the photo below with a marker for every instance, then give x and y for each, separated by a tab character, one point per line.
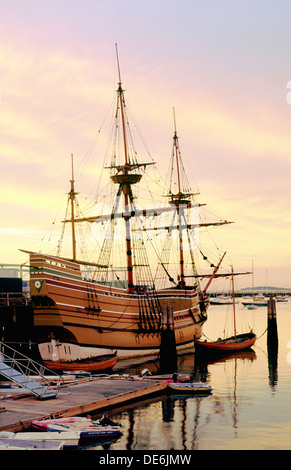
69	439
6	435
190	387
257	301
85	426
29	444
282	298
221	300
86	431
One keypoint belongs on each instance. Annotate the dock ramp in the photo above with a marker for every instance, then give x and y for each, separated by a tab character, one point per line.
28	373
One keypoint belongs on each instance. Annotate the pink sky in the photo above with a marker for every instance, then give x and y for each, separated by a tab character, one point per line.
224	66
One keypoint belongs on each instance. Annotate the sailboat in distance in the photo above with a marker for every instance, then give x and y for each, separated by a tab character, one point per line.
85	309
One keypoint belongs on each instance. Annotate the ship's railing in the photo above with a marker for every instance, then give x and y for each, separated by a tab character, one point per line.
14	298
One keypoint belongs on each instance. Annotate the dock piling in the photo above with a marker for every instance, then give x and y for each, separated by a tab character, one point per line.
272	342
272	336
168	352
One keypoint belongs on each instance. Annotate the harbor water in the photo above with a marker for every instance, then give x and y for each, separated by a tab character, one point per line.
249	408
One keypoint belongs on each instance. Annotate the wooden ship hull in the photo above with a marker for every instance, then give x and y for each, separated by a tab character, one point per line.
78	319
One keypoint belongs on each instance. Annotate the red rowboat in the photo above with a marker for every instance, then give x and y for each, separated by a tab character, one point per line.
234	343
97	363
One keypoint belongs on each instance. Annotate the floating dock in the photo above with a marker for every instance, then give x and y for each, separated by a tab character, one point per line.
19	408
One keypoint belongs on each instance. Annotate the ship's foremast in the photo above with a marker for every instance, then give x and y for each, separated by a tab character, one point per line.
181	200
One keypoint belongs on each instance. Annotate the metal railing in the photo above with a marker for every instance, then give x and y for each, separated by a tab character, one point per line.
23	370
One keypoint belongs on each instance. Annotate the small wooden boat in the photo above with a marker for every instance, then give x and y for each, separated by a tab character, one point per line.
234	343
91	364
237	342
29	444
190	387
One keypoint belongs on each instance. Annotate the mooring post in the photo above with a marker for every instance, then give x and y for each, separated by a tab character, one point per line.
272	321
168	352
272	341
167	317
272	308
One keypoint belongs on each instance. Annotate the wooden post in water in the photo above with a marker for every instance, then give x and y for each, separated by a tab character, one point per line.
272	321
272	313
272	342
168	352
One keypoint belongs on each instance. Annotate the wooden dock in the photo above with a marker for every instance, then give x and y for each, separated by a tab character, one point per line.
18	409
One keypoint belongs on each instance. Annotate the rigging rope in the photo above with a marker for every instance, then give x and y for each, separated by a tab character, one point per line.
258	337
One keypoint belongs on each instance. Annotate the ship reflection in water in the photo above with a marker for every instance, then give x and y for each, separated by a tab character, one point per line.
248	408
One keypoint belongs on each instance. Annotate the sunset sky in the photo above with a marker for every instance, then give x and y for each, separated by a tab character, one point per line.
223	65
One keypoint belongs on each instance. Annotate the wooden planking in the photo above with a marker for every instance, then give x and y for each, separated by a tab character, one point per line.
72	400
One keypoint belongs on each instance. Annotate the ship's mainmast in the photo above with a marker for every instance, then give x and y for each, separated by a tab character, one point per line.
72	195
125	179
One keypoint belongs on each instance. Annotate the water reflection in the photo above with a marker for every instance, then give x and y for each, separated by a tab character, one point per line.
243	412
129	441
201	373
175	421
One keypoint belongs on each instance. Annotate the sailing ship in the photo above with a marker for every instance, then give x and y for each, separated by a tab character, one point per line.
237	342
80	312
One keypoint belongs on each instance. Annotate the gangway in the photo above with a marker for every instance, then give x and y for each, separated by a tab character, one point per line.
22	370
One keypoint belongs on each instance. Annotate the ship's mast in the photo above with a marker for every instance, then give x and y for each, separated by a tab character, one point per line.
180	199
233	302
125	180
126	174
176	143
72	195
121	100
